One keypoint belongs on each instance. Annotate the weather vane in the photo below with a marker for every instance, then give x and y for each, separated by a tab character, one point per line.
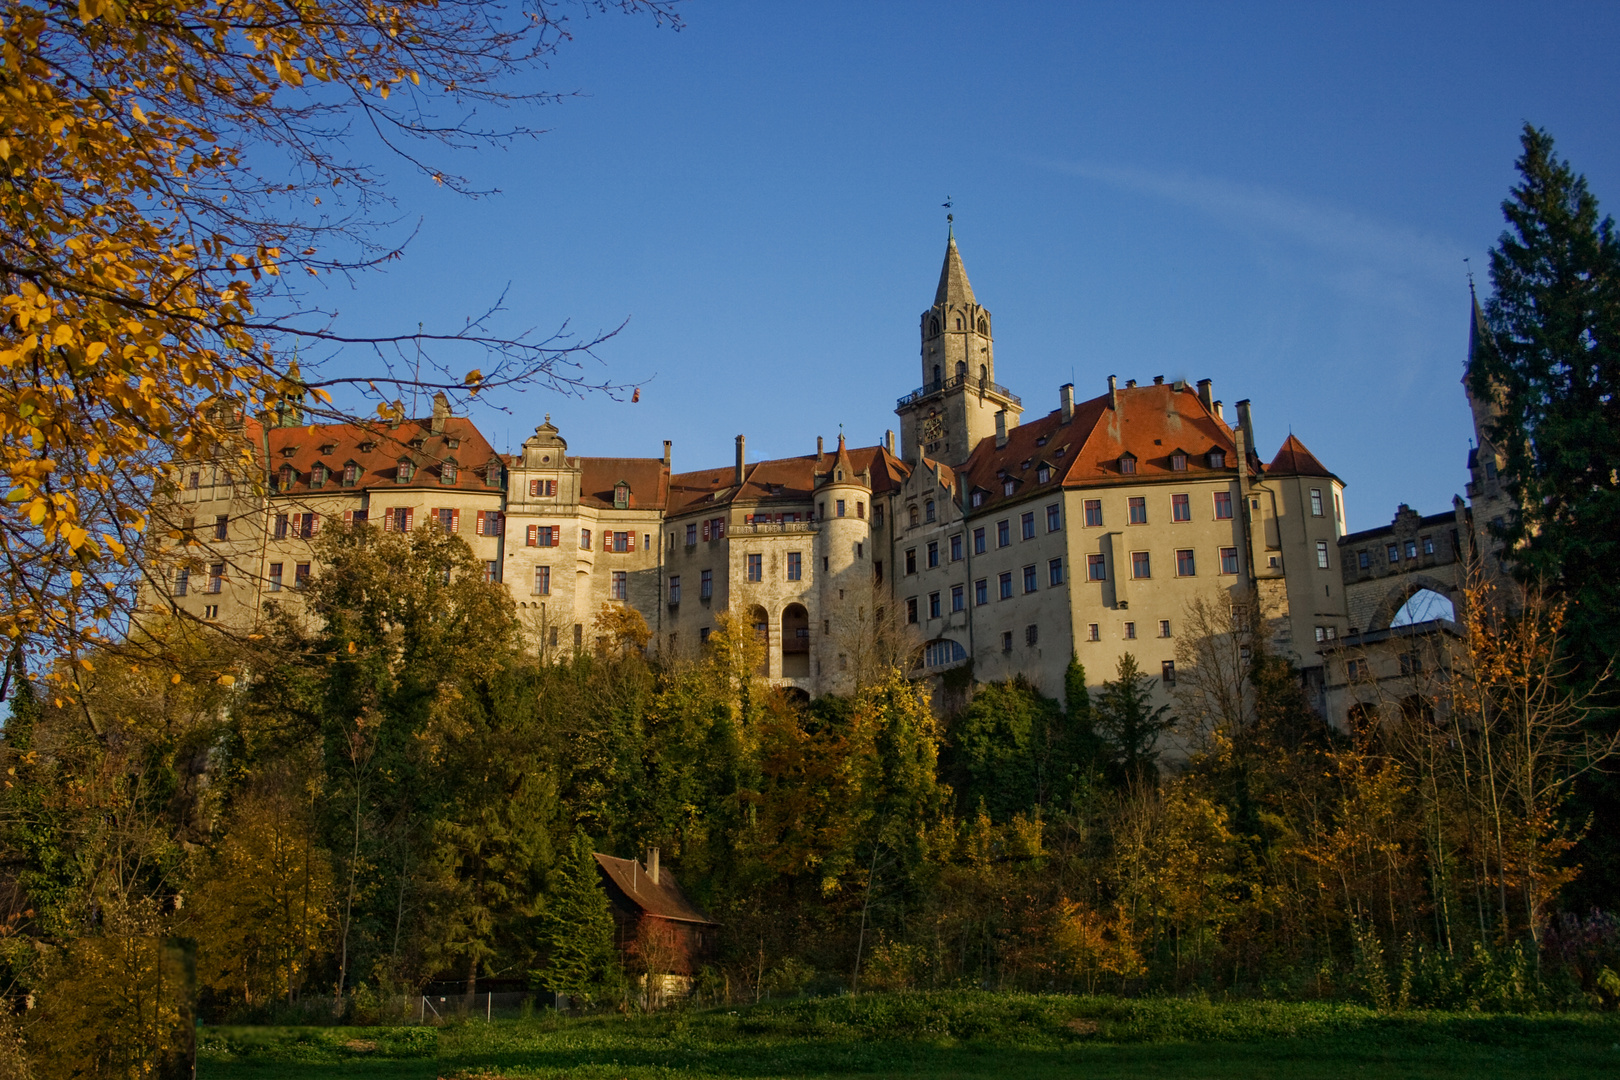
948	204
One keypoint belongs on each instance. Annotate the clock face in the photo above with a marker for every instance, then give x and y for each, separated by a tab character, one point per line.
932	427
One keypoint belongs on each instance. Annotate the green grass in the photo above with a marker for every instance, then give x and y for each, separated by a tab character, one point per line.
948	1035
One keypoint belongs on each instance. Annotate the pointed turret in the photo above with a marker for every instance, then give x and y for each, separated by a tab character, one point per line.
953	280
1293	459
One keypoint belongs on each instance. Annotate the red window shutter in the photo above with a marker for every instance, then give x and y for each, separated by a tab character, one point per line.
388	520
720	526
348	517
410	518
480	523
534	535
556	536
314	524
534	487
705	530
630	541
500	524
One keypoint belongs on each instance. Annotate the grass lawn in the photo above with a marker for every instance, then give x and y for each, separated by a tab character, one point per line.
946	1035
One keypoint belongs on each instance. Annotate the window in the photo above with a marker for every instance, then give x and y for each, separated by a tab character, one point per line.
877	570
956	548
619	541
1141	565
1316	502
395	519
1321	555
1167	672
1093	632
492	474
1006	641
1026	525
911	609
1178	462
492	571
351	474
1032	634
1138	505
1029	578
216	578
1394	553
221	527
211	611
182	582
1223	505
912	511
542	581
1216	459
1321	633
621	584
978	541
1127	464
1355	669
933	554
911	560
1411	664
1229	560
933	605
1054	572
939	653
795	566
978	498
300	575
621	496
860	509
1054	518
1005	583
1490	469
447	473
1428	545
877	515
1008	486
1096	568
1185	566
403	474
1003	533
958	599
705	584
1164	627
1094	517
981	591
1180	508
840	507
304	525
674	589
1364	560
447	518
691	535
543	489
1411	549
1043	474
275	577
756	568
714	528
545	535
1130	631
195	479
585	539
928	510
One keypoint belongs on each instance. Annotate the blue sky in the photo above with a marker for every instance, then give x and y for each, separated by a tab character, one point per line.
1278	197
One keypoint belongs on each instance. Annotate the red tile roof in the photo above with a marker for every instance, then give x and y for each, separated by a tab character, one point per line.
1151	423
378	450
664	900
1294	460
648	479
785	479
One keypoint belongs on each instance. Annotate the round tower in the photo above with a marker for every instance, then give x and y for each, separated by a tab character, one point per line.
843	552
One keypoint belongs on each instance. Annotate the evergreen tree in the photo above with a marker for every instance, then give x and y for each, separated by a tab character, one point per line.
578	932
1130	727
1550	365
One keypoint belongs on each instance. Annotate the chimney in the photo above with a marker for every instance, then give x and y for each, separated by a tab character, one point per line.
888	442
1130	384
819	451
1158	380
652	864
666	453
1066	401
1113	392
1246	423
1001	429
1220	413
441	412
1205	387
741	442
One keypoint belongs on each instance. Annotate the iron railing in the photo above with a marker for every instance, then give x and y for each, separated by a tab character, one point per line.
940	386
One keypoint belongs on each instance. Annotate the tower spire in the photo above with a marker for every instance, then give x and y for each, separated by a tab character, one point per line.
953	279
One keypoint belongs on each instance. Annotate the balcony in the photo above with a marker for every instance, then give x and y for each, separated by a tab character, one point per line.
982	386
766	528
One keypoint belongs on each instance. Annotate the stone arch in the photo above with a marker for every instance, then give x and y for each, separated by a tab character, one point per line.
795	694
760	622
961	368
795	642
933	326
1404	589
984	326
984	374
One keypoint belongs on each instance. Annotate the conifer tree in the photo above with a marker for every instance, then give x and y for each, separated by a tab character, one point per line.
578	931
1130	727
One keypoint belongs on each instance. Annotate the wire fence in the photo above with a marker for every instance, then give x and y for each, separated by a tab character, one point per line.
436	1008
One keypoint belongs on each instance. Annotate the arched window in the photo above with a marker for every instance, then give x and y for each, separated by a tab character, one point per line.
912	514
984	374
1424	606
936	374
933	327
961	369
984	326
959	324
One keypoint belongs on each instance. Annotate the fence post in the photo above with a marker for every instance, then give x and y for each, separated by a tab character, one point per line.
489	1005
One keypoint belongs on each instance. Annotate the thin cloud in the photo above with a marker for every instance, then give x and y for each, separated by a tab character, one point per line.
1331	230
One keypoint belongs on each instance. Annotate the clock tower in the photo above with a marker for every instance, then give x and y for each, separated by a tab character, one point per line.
957	403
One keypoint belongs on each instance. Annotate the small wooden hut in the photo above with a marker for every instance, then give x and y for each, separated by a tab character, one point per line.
660	933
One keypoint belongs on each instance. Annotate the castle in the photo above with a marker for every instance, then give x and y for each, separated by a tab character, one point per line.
983	539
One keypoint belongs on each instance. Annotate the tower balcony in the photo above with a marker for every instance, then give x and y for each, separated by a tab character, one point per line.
982	386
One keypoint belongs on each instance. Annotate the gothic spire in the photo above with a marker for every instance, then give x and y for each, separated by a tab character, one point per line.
953	279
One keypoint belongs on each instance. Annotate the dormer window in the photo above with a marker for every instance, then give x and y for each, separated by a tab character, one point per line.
351	474
416	443
1059	451
1008	486
838	475
367	447
405	471
1041	441
1178	462
288	475
288	451
329	448
1043	474
447	473
978	498
452	443
1127	463
1217	459
492	474
317	476
621	496
1025	466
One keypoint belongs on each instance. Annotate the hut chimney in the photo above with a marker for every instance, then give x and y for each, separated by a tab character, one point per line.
1001	429
1158	380
888	441
1220	412
1246	422
1113	392
1205	387
1066	401
1130	384
441	412
666	453
741	443
819	450
652	864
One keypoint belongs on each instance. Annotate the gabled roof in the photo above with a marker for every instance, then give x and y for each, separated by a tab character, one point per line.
648	479
1294	460
388	446
663	900
1151	423
781	479
953	279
